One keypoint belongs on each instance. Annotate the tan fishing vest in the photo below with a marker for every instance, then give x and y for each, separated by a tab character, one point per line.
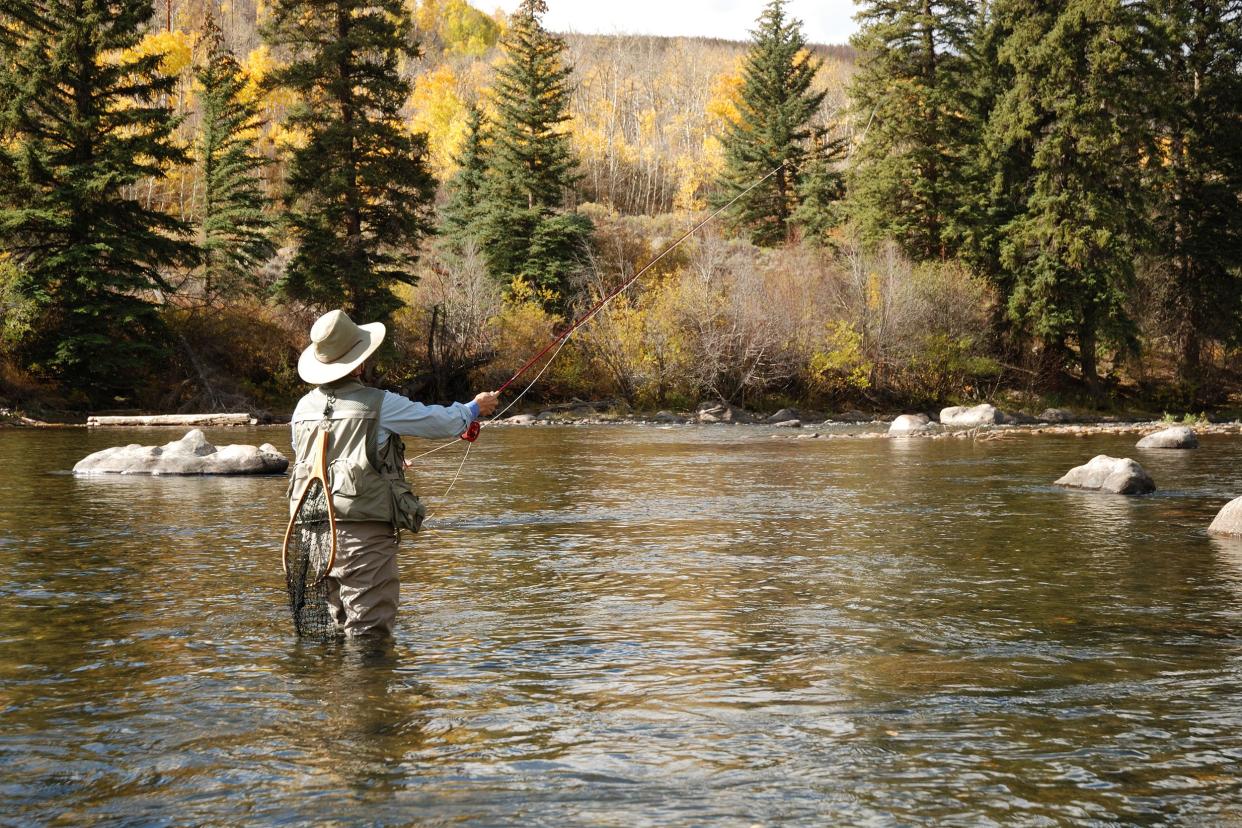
367	482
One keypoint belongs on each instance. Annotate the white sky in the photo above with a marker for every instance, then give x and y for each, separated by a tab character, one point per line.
823	21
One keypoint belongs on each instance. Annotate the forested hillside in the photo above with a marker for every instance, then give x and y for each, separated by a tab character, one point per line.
967	201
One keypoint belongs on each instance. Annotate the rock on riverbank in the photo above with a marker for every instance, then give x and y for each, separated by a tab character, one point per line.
972	417
1118	475
192	454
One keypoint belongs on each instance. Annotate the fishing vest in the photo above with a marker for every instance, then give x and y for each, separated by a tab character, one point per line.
367	481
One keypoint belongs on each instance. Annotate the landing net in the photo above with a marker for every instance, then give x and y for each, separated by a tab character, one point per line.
309	555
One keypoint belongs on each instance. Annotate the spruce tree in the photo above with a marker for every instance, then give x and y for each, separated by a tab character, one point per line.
1196	92
524	229
912	90
774	128
358	189
1076	97
460	216
80	124
234	230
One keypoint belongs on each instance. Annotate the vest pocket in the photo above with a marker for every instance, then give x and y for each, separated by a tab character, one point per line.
408	510
344	478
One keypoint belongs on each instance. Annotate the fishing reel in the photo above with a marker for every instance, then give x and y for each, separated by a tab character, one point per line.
472	433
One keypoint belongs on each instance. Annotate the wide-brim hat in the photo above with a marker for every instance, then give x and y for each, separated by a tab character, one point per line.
338	346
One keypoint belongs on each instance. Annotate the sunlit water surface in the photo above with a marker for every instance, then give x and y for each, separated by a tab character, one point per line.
636	626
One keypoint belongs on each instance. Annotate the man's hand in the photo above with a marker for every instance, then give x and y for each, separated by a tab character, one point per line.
487	402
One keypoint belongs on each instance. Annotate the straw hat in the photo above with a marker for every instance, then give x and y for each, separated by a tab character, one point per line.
338	346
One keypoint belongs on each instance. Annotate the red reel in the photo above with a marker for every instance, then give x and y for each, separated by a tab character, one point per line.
471	434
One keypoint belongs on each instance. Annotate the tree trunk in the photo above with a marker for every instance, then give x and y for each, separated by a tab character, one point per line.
1086	357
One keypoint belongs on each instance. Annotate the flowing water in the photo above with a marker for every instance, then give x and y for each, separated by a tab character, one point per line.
636	625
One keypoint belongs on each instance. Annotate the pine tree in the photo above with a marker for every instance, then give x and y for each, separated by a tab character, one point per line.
1196	89
81	122
234	231
524	230
358	188
1075	95
774	128
913	92
460	216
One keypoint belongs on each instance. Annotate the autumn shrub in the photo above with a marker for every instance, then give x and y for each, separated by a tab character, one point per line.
920	325
838	369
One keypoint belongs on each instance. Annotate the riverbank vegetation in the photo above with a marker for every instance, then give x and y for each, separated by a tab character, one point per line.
971	200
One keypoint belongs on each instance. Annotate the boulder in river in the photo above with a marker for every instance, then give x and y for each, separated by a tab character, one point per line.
1177	437
910	424
1119	475
795	423
192	454
972	416
519	419
1228	520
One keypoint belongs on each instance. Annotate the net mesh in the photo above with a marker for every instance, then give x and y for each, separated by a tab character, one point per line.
307	561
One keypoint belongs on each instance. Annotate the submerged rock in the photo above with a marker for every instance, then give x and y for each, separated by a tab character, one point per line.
1118	475
192	454
1177	437
1228	520
910	424
970	417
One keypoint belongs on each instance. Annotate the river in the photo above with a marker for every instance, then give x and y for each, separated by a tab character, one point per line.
636	625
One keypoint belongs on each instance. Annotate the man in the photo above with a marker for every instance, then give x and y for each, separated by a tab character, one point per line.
366	457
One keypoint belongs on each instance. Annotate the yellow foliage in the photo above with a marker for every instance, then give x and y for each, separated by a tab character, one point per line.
272	103
177	48
725	102
440	112
838	367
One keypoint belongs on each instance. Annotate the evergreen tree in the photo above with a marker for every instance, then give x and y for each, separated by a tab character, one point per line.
81	122
774	127
234	231
997	168
532	156
1076	96
913	89
820	192
359	191
523	230
460	217
1196	88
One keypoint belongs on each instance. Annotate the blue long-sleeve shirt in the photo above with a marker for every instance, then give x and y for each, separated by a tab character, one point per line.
402	416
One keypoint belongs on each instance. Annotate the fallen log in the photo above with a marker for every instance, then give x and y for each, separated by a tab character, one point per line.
198	420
